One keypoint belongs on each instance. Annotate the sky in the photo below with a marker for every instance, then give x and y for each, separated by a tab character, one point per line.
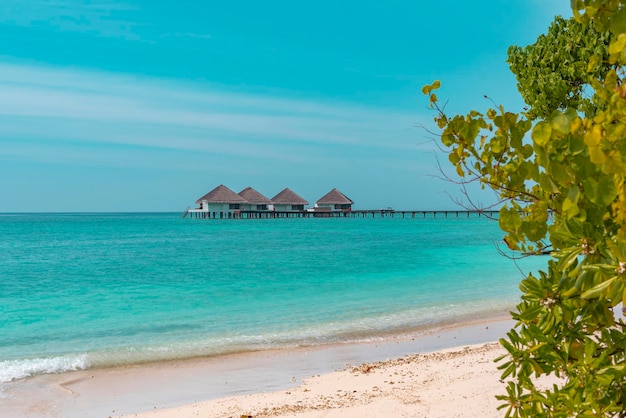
146	105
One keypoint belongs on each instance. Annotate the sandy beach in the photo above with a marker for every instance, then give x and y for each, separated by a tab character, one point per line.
440	373
459	382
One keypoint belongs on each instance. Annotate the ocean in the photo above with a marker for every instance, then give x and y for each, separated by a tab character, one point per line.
97	290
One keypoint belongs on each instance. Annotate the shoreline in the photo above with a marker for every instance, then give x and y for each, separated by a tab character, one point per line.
133	389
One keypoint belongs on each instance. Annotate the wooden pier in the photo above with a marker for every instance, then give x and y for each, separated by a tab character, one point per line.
382	213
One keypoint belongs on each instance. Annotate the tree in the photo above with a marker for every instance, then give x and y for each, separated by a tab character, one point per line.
553	72
562	189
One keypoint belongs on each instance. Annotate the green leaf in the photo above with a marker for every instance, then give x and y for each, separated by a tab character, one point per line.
562	122
570	204
613	372
541	133
428	88
594	63
602	191
510	219
606	191
593	140
596	291
536	347
618	22
447	139
567	258
570	208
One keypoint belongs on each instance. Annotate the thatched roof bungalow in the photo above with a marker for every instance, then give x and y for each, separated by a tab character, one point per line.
221	199
255	200
334	201
288	201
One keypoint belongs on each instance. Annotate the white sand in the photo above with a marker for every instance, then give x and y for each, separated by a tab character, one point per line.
460	382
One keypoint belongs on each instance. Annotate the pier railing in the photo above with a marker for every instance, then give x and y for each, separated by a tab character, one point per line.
370	213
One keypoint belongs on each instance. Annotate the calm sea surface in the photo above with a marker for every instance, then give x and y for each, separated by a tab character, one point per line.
90	290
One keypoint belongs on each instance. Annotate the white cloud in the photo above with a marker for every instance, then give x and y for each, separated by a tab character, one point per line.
51	104
63	129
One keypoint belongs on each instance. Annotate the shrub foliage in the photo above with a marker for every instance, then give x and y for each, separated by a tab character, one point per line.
559	169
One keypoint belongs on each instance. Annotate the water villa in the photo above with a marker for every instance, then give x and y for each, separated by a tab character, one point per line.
255	200
220	200
334	201
223	203
288	201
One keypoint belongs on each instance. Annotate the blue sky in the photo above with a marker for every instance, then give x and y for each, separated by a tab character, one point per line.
146	105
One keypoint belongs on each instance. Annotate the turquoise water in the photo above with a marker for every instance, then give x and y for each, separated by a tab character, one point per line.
91	290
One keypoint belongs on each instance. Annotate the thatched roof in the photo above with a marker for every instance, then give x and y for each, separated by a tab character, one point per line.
334	197
222	194
254	197
288	197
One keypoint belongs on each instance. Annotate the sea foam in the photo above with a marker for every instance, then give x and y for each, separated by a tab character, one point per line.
19	369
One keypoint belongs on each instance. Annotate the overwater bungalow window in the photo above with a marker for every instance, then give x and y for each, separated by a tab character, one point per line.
261	207
234	206
343	206
297	207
